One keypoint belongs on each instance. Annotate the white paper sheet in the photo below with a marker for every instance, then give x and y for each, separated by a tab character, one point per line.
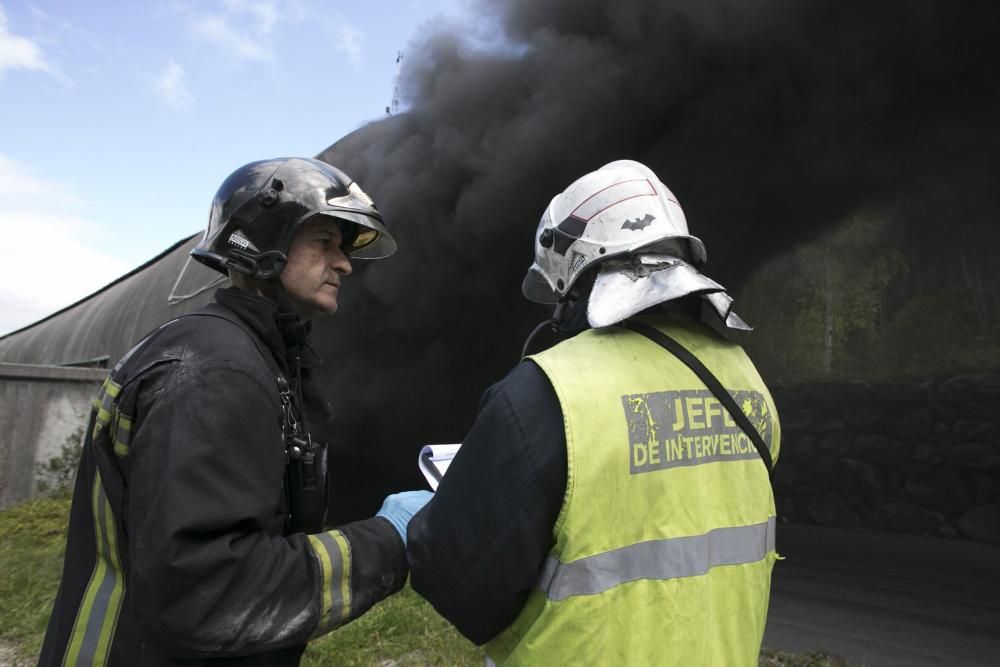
434	461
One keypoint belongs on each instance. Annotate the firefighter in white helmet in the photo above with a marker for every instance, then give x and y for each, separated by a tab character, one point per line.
612	504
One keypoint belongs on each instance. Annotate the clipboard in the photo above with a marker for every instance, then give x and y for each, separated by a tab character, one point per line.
434	460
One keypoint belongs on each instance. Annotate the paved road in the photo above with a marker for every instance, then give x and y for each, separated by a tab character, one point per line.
882	599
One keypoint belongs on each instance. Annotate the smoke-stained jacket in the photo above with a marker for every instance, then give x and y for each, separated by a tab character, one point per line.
176	548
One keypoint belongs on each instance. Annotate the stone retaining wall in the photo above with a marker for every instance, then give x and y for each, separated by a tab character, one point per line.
922	457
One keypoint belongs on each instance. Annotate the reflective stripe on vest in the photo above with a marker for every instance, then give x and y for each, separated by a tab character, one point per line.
657	559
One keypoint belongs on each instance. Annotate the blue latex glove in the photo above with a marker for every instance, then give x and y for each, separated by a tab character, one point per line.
399	508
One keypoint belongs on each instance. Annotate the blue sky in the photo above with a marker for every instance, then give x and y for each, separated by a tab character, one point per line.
119	119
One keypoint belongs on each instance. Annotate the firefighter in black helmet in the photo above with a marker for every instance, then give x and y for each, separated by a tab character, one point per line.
198	524
259	208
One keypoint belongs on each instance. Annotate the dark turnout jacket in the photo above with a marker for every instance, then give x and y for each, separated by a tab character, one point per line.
177	550
477	561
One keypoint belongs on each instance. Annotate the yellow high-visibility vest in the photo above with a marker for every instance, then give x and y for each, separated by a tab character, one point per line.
665	542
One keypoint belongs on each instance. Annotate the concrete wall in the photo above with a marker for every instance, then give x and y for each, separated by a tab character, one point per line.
40	408
920	457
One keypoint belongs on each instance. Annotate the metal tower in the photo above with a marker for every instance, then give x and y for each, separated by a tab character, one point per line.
393	108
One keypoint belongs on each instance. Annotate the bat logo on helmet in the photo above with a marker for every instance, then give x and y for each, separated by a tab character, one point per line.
639	224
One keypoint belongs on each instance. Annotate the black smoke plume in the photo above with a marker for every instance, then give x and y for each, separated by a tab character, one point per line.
770	120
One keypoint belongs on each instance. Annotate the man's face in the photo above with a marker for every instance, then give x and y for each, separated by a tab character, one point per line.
316	265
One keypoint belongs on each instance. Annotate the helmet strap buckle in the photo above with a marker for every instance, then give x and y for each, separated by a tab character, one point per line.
264	266
270	264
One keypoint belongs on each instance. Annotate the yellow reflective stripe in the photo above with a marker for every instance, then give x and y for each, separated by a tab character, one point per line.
345	579
94	626
72	656
325	574
104	403
334	555
110	620
123	435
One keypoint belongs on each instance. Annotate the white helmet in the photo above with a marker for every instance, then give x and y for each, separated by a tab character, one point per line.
623	218
615	210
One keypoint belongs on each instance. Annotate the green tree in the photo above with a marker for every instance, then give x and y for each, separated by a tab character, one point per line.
811	302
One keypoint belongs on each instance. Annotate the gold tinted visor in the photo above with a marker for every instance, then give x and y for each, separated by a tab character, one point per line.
365	238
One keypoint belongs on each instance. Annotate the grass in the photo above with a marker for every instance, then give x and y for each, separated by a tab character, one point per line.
403	631
32	539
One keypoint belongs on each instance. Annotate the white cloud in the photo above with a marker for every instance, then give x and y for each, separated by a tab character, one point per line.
57	256
172	88
19	52
219	31
244	28
348	39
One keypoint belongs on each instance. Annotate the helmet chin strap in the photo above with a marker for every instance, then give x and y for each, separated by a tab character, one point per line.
552	322
570	314
293	329
295	334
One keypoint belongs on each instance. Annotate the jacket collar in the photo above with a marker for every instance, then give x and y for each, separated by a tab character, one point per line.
260	315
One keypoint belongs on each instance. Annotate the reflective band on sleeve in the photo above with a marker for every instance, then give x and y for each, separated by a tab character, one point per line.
104	403
123	435
688	556
334	556
97	617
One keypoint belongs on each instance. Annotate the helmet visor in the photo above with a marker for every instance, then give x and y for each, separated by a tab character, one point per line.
371	239
536	288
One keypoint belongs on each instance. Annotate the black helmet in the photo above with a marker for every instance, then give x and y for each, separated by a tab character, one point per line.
258	209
